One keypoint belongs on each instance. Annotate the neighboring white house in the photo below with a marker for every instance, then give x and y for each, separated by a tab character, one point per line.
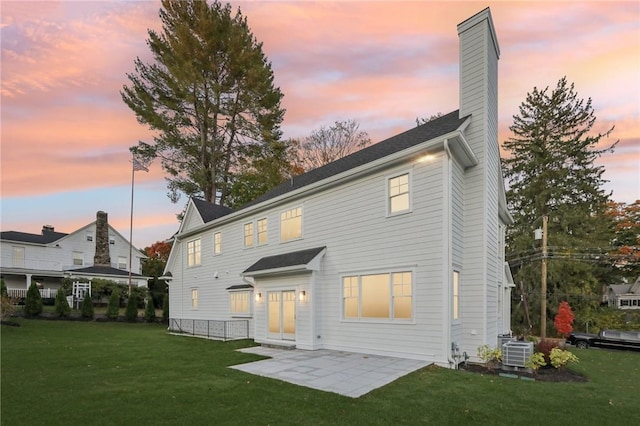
624	296
48	257
397	249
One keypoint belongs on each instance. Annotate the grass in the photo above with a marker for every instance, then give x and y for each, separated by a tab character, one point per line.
58	372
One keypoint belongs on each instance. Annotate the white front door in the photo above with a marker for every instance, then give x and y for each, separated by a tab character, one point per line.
282	315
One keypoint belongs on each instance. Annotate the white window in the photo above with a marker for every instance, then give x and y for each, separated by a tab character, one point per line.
193	253
378	296
78	258
122	262
112	239
89	236
194	298
240	302
398	188
18	257
248	234
455	295
262	231
217	243
291	224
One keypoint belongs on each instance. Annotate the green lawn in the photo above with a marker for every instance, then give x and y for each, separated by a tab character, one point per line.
90	373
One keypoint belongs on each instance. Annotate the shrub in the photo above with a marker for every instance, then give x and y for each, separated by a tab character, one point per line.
545	346
62	307
536	361
3	289
490	356
131	313
113	308
33	302
560	358
165	309
150	311
86	309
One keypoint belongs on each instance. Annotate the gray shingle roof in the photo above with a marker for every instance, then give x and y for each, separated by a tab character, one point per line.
412	137
105	270
295	258
46	237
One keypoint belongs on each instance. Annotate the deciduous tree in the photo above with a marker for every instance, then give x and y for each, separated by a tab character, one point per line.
210	99
564	319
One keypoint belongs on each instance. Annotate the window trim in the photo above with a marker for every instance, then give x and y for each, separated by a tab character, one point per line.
301	224
21	261
258	233
217	245
245	235
236	314
388	179
194	300
73	258
391	319
126	262
199	252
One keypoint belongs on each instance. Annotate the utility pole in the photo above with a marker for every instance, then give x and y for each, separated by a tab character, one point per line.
543	284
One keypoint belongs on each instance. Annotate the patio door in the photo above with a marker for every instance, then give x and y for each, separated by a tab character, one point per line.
282	315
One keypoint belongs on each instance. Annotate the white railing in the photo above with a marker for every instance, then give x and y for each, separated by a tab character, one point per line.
21	293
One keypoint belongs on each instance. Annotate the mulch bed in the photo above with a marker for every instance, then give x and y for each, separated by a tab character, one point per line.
544	374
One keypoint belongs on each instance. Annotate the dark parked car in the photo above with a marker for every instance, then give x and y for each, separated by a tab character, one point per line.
606	339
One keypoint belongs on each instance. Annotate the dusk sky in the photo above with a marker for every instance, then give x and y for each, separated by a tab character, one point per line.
66	132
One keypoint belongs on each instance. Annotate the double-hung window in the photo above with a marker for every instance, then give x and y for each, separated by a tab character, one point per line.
217	243
262	231
248	234
399	194
122	262
387	296
18	257
291	224
194	298
193	253
455	295
78	258
239	302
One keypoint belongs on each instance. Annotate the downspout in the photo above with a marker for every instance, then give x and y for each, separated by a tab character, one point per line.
448	344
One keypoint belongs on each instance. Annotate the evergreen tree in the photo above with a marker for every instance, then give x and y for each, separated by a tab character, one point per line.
165	309
113	308
551	171
62	307
131	312
149	311
86	309
33	302
3	289
209	97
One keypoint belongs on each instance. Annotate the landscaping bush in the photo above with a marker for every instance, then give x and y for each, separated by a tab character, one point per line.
165	309
3	289
150	311
86	309
62	307
545	346
113	308
33	302
131	313
560	358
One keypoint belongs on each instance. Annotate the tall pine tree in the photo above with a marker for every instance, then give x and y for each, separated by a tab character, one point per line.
551	171
209	97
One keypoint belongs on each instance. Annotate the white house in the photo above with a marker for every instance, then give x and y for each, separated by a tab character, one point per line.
48	257
397	249
624	296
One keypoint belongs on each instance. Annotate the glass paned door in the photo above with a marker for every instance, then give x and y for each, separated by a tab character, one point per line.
282	315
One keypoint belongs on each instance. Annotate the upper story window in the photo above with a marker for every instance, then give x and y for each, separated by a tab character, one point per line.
193	253
291	224
122	262
378	296
217	243
18	257
89	236
398	188
248	234
112	239
262	231
78	258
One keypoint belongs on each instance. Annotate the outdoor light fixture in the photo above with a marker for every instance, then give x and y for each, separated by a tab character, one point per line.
258	297
303	296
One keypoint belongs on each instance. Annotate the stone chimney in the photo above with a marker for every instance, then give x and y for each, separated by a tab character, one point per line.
102	257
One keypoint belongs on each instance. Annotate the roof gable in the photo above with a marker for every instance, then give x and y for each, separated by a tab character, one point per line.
209	211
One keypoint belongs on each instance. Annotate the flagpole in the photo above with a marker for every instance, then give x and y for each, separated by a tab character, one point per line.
133	173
